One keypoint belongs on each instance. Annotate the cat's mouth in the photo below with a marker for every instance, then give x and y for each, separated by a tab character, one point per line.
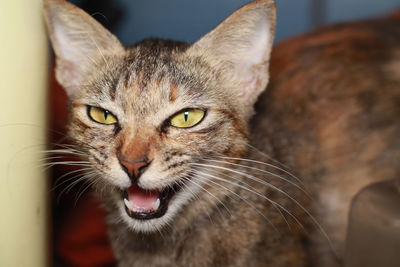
144	204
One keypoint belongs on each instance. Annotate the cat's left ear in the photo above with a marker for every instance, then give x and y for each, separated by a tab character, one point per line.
240	49
79	42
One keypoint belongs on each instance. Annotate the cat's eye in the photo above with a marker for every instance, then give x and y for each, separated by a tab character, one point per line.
187	118
102	116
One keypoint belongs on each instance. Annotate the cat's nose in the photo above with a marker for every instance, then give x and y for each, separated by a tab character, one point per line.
134	168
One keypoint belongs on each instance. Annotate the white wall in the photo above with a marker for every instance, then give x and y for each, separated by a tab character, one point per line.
23	185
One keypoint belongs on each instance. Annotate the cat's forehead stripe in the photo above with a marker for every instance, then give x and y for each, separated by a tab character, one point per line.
160	78
173	93
127	78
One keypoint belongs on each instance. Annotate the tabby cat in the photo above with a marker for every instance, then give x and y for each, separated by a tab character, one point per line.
193	172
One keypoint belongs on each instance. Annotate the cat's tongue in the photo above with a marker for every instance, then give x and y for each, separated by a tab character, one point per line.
142	200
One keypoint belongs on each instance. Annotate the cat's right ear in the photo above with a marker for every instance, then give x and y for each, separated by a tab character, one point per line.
79	42
239	48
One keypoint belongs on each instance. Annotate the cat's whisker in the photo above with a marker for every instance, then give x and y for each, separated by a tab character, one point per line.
68	162
83	177
50	158
73	147
65	163
65	153
252	190
74	171
266	155
56	185
89	184
68	151
76	177
193	194
262	171
251	204
197	197
219	173
277	189
208	192
251	177
265	164
53	159
183	184
66	189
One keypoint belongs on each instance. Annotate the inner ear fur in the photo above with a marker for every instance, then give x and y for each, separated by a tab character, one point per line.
79	41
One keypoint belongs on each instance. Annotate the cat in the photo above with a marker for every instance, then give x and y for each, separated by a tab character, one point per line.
190	155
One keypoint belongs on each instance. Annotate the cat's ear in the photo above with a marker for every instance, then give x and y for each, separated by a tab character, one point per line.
79	42
240	47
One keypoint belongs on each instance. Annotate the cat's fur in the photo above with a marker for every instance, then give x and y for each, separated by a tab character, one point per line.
330	114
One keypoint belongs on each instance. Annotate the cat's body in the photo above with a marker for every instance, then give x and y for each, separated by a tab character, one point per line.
330	115
333	109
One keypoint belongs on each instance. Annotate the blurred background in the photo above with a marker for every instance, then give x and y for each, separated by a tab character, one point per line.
185	20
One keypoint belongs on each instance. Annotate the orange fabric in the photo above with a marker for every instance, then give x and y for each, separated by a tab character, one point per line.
83	241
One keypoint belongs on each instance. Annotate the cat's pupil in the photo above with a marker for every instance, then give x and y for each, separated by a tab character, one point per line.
186	115
105	113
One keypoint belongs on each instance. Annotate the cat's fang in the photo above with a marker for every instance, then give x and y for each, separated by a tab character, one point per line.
128	204
156	204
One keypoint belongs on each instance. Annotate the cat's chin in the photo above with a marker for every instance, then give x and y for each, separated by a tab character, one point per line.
156	215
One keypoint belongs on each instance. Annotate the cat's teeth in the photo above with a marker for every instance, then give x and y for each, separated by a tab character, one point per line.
128	204
156	204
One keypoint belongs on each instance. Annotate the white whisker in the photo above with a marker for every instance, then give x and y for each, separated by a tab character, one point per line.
238	196
266	164
69	163
273	187
218	172
266	155
263	171
70	178
211	194
274	203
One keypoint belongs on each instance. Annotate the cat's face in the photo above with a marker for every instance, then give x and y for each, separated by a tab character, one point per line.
147	116
146	98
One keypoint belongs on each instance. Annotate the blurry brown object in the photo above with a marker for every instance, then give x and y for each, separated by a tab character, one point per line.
374	230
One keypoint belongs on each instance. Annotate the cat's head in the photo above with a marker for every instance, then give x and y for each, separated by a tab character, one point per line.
147	117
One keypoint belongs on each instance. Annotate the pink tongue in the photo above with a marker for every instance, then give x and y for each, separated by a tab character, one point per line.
142	200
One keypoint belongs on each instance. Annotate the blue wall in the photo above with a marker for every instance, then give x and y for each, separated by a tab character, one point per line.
188	20
342	10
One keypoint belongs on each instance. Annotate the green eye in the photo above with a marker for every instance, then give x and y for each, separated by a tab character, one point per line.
187	118
102	116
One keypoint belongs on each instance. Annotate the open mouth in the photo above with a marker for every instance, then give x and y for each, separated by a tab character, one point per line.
144	204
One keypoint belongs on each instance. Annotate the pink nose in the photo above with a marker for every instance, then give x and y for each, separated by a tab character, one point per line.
134	168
